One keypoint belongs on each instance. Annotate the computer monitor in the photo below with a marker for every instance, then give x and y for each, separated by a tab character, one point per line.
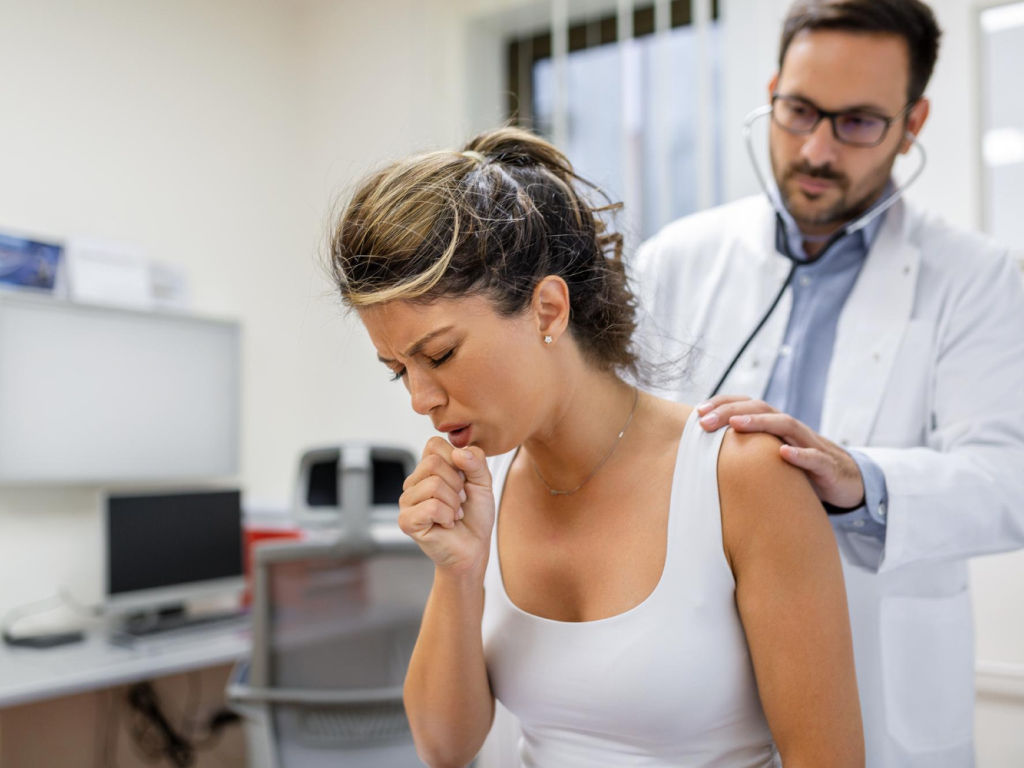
163	550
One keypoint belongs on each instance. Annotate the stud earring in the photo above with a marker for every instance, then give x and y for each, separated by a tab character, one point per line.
548	340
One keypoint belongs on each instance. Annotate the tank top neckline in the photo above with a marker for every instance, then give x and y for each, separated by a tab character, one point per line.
676	489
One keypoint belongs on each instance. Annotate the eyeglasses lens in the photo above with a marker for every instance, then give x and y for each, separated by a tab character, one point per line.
858	128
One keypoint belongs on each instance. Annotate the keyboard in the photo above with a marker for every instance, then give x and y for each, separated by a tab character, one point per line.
183	623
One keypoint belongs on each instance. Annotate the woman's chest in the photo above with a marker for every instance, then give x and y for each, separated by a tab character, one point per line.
580	562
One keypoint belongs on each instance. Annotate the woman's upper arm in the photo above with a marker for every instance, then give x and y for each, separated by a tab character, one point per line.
792	602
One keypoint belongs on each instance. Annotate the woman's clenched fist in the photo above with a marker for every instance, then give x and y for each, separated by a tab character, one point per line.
447	506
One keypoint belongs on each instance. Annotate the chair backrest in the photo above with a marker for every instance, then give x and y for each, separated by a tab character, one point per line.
333	625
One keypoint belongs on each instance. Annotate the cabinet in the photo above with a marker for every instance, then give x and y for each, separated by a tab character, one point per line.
94	395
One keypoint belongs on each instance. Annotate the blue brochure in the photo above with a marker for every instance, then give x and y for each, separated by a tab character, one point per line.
28	263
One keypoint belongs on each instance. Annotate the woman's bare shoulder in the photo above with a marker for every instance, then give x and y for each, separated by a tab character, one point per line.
762	496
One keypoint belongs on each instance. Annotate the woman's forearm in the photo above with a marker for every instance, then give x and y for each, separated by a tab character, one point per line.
447	695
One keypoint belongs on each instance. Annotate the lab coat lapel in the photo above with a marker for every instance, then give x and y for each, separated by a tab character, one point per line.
870	329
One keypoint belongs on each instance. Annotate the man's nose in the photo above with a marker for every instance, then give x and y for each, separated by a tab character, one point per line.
820	147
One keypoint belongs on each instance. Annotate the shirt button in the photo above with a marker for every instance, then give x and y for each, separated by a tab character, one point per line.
858	523
882	510
844	441
805	281
785	350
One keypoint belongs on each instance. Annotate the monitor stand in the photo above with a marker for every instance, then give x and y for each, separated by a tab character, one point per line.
169	619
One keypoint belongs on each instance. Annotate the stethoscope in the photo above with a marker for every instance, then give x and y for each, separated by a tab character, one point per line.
782	241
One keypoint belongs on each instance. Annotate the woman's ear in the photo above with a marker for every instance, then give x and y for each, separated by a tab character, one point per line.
550	307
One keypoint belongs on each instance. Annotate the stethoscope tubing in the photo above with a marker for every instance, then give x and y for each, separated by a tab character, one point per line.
782	242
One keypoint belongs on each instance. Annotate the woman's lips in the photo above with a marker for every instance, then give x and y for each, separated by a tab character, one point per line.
460	436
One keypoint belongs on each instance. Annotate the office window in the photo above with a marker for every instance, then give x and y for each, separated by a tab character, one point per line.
1002	61
619	111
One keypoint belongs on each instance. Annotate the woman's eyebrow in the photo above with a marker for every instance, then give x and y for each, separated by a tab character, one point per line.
416	348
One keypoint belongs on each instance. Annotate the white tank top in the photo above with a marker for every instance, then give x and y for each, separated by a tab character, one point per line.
668	683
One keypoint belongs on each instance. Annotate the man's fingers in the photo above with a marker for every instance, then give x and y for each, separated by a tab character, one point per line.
783	426
810	460
721	414
714	402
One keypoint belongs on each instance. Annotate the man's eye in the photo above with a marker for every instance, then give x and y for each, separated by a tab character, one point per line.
861	120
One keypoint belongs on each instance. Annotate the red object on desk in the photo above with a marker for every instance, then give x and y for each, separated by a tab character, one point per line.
251	538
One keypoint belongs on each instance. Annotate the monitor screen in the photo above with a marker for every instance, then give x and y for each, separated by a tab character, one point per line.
165	548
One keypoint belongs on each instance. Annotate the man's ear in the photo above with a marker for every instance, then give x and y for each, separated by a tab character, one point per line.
550	307
915	122
772	84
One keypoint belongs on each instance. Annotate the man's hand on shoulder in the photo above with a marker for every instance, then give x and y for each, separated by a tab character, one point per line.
832	471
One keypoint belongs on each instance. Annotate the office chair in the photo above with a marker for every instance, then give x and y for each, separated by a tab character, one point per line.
333	627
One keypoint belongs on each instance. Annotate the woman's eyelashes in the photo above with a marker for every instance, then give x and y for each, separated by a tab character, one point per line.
436	361
398	373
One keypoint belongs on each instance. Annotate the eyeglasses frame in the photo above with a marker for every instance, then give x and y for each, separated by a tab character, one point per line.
831	116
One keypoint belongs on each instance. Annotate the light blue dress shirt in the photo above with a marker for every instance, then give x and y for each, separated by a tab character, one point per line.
797	385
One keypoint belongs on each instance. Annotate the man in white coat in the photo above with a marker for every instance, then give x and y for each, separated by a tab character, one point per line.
891	366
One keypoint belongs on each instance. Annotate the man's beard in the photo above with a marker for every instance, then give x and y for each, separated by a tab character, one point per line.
837	213
842	210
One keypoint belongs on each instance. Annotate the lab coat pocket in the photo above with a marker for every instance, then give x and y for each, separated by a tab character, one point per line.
928	671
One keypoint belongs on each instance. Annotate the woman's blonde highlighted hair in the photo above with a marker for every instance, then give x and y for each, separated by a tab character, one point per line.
494	219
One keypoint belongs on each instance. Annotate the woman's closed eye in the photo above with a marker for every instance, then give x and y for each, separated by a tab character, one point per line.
436	361
398	373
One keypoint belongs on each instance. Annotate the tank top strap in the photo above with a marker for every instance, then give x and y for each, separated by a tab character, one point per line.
695	514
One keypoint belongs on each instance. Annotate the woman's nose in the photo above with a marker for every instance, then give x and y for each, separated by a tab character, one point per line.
424	392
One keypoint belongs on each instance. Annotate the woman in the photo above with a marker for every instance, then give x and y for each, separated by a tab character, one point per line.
646	594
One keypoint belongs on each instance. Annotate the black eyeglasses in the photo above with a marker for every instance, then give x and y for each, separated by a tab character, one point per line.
856	127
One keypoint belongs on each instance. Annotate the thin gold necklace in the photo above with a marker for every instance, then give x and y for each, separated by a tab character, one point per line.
601	463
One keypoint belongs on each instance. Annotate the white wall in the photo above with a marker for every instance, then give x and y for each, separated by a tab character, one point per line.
159	124
215	136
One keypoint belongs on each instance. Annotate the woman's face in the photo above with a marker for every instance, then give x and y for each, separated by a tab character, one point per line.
477	374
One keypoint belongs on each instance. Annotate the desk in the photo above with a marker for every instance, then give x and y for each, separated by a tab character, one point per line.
61	706
34	674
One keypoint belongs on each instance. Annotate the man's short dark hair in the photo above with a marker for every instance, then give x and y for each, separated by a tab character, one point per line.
910	19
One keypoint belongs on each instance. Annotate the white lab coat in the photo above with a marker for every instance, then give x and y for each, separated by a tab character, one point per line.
927	378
